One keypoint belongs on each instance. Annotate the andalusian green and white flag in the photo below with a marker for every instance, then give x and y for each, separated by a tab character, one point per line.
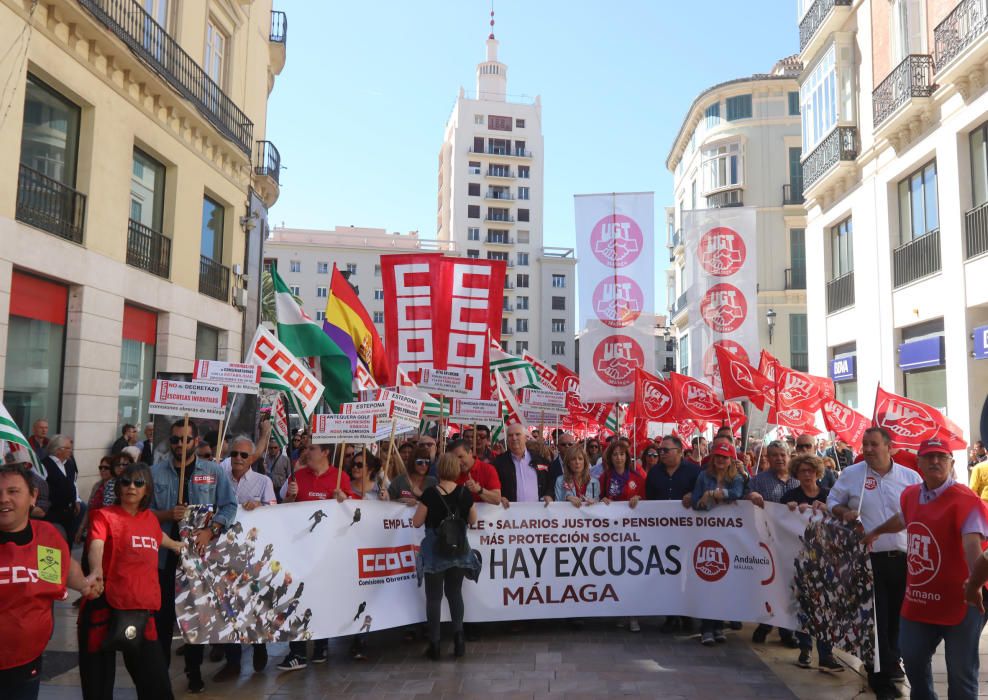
518	372
306	338
9	432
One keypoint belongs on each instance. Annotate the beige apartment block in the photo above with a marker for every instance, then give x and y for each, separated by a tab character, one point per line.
133	200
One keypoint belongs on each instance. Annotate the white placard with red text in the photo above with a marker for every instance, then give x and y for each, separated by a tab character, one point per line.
616	265
475	411
197	399
329	428
448	382
237	377
539	400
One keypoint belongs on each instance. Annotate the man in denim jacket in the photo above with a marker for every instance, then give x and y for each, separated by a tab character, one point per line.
206	483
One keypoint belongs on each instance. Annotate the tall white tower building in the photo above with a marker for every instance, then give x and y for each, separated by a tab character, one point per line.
490	207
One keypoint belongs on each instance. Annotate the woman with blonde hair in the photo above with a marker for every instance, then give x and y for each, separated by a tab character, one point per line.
575	483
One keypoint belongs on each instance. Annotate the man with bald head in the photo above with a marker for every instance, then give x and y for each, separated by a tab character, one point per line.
524	475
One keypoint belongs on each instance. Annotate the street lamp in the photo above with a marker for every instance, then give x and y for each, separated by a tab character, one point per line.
770	319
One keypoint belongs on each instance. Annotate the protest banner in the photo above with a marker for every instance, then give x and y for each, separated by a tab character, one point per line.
237	377
191	399
282	371
407	409
539	400
381	409
446	382
329	428
475	411
736	562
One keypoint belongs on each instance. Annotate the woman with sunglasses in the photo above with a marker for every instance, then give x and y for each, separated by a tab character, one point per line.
103	494
649	458
104	475
123	553
363	477
408	488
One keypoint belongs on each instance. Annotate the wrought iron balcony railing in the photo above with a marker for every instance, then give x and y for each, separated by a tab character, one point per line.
840	292
506	172
129	22
958	30
793	194
728	198
976	230
214	278
49	205
268	161
499	240
799	361
494	194
147	249
911	78
814	18
918	258
796	278
279	27
498	151
840	145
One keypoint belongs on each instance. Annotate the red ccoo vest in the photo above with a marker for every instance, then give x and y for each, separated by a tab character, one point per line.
935	562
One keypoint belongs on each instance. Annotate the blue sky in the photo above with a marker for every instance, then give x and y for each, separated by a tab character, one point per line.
358	113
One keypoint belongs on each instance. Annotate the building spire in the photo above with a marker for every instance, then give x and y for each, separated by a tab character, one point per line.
492	76
491	36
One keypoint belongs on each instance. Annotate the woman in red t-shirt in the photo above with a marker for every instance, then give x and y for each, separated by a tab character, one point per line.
123	551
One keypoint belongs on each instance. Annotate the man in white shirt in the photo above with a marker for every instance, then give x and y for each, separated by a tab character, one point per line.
524	476
869	492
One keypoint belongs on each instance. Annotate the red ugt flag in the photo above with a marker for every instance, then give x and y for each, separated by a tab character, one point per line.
739	379
653	398
694	399
845	422
910	422
800	390
794	418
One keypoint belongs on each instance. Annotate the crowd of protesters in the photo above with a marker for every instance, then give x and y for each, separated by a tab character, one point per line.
137	500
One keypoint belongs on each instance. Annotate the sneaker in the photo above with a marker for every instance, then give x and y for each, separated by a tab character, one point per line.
633	625
760	635
260	658
320	655
196	685
292	662
720	637
707	639
831	665
804	659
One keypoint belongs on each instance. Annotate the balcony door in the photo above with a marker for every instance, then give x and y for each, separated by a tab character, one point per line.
908	31
50	136
796	172
211	243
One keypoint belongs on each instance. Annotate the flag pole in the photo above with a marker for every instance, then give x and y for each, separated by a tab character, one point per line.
181	469
442	430
474	439
339	466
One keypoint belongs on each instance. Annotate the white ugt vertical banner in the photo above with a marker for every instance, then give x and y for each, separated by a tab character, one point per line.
616	263
723	299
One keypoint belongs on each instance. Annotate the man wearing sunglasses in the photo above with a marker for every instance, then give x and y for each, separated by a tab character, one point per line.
805	445
206	483
564	442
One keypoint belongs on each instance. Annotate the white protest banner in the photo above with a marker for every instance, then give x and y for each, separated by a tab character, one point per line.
475	411
197	399
282	371
381	409
449	382
237	377
533	416
736	562
538	400
329	428
407	409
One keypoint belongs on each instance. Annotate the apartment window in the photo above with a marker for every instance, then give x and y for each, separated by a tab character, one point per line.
473	167
522	236
497	256
558	325
295	266
842	248
215	54
797	258
473	189
798	345
137	350
521	303
793	104
818	100
378	295
377	270
498	214
738	107
522	280
147	191
378	317
320	315
907	35
473	233
523	193
50	136
207	341
693	195
522	259
295	290
558	347
498	170
524	171
211	240
351	268
722	166
521	325
471	253
520	148
559	281
270	264
684	354
919	213
495	123
559	303
478	119
473	211
711	115
519	123
322	292
322	268
521	347
497	235
523	215
505	328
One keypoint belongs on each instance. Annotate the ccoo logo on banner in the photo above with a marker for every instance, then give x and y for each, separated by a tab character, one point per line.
722	299
614	234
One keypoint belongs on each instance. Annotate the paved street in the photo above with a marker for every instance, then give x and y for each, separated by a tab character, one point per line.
544	659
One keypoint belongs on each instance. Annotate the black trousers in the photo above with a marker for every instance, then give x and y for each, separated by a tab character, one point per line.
889	570
164	618
97	670
449	582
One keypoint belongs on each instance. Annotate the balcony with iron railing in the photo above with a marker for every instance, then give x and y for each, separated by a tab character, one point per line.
505	152
822	17
799	361
962	31
795	278
268	161
49	205
499	240
147	249
792	194
903	92
500	172
214	279
916	259
149	41
494	194
731	197
678	306
840	292
840	146
499	219
279	27
976	231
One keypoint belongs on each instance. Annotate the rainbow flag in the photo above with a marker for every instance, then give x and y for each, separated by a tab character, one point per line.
349	325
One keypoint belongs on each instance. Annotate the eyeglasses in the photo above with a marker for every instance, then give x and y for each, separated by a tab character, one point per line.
663	450
124	481
176	439
422	461
651	454
242	455
358	465
104	467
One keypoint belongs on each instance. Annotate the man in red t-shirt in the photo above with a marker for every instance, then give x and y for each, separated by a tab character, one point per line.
480	478
946	526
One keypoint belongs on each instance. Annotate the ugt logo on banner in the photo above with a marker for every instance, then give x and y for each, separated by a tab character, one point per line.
615	359
618	301
723	308
722	251
616	240
711	560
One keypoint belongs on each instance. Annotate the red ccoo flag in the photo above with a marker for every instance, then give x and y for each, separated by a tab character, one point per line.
653	398
694	399
910	422
845	422
739	379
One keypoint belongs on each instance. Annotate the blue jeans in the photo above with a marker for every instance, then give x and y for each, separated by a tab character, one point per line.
919	640
824	650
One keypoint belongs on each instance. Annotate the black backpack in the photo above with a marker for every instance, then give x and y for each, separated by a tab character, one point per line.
452	531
